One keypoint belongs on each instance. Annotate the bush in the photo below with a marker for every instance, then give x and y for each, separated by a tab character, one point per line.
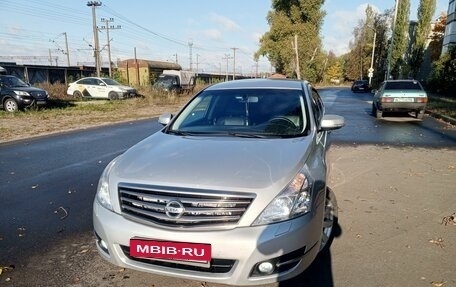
443	75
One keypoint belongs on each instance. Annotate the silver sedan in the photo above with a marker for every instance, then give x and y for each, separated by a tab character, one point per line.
232	190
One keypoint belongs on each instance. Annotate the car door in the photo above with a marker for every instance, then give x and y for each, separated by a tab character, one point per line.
102	89
90	86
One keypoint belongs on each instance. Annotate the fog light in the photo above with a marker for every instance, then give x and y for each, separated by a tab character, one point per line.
103	244
266	268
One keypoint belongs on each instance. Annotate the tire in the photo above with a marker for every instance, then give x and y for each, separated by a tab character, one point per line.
329	220
376	112
420	114
10	105
113	96
77	95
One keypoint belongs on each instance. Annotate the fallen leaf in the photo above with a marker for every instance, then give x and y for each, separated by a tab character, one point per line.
438	284
84	251
438	242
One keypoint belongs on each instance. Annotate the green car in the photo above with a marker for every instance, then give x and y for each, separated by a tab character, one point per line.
399	96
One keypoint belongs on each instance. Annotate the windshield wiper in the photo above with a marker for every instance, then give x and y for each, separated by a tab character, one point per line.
180	133
245	135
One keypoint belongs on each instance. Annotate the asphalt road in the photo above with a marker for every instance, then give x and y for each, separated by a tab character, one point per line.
47	184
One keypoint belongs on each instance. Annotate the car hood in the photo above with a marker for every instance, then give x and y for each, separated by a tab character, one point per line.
28	89
218	163
124	87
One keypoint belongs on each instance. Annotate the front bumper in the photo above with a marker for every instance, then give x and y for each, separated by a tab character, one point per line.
292	244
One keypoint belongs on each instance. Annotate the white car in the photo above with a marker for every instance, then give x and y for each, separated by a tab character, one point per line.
100	88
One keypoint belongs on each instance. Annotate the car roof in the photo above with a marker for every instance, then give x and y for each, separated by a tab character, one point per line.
260	83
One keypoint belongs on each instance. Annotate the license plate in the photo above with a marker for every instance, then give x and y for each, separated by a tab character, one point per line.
171	250
404	100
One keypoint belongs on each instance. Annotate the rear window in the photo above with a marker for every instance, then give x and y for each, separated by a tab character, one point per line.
408	85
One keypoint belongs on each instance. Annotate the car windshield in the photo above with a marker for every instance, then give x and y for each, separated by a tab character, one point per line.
244	113
403	85
110	82
14	82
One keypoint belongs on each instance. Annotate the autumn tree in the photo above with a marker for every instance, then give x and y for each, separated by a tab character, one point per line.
438	31
288	18
400	39
334	71
423	28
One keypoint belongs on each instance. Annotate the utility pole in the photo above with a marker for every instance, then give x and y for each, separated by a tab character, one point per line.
295	49
371	69
190	44
227	57
67	50
108	27
95	4
197	63
234	62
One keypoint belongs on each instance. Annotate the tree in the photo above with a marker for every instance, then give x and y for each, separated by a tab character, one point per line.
435	46
334	71
400	39
425	12
288	18
357	62
443	76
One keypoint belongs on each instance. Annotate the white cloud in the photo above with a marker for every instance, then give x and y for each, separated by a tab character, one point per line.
213	34
225	22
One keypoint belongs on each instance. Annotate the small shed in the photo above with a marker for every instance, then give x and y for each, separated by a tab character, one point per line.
141	72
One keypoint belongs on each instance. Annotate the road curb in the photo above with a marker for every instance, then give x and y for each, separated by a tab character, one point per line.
447	119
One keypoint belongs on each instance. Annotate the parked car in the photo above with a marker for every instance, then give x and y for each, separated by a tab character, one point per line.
176	81
360	86
232	190
16	94
400	96
99	88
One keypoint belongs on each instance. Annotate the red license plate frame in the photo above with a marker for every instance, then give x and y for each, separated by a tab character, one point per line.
170	250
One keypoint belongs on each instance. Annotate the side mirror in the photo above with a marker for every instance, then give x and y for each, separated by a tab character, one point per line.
331	122
102	84
373	91
165	118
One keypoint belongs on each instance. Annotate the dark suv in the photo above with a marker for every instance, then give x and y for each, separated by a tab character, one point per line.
15	94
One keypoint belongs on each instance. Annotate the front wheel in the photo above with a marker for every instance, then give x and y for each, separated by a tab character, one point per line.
10	105
329	220
113	96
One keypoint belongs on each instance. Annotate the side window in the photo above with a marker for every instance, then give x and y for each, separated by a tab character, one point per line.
317	106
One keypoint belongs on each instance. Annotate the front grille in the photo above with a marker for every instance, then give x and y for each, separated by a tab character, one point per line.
216	265
38	94
177	207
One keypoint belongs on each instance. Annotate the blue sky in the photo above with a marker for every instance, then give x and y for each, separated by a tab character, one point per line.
162	30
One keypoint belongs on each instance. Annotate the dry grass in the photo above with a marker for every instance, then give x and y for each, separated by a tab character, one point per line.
65	113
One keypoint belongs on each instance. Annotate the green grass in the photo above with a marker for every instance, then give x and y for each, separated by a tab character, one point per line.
442	105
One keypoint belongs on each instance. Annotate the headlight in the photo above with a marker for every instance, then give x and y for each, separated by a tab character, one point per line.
103	196
21	93
293	201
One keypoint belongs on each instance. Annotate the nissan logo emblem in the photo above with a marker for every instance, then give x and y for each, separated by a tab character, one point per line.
174	209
